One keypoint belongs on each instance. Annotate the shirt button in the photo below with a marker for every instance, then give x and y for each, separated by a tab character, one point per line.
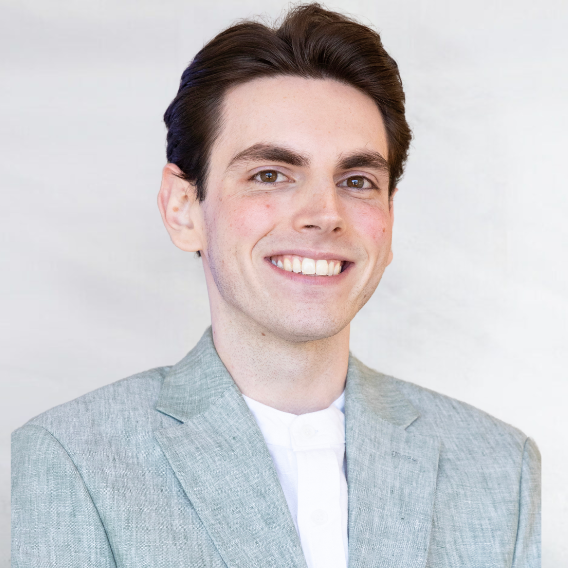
308	431
319	517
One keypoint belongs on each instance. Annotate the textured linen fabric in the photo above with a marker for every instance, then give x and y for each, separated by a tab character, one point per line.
308	452
168	468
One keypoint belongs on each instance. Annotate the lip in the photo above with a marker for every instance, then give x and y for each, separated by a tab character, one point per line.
315	255
311	280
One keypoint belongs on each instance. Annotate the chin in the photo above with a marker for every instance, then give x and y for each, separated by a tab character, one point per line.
300	330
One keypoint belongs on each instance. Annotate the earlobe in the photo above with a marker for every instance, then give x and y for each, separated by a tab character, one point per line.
180	210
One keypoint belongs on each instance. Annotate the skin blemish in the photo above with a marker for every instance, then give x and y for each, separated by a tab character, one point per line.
176	209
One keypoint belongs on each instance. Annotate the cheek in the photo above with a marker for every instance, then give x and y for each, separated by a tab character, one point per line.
374	225
246	220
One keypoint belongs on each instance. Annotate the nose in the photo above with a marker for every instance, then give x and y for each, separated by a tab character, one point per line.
318	210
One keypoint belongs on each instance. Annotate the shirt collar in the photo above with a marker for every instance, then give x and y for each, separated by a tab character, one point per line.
314	430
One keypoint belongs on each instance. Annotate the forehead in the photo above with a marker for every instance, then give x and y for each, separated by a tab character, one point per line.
319	117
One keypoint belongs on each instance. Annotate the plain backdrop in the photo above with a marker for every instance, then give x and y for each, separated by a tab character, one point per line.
475	304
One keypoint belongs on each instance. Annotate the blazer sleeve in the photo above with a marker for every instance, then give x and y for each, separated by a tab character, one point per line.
528	544
54	520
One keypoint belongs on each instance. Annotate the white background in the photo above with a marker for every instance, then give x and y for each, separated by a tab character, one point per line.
475	304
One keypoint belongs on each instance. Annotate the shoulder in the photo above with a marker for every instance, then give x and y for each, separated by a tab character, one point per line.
449	418
471	440
126	406
459	426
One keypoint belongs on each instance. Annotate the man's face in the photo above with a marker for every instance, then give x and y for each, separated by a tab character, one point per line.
297	177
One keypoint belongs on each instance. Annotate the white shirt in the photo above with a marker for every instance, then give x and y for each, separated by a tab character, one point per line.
309	455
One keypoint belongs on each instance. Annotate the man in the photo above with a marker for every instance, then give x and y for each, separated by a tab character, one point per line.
268	444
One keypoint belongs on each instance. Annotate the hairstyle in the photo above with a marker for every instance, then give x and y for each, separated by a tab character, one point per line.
311	42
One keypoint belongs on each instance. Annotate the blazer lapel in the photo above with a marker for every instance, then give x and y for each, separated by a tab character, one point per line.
222	462
391	474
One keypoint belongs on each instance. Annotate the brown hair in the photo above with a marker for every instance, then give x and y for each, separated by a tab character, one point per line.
311	42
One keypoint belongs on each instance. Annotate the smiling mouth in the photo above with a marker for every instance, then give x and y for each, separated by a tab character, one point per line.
308	266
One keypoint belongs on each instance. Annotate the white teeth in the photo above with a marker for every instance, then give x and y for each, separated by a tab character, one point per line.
308	266
297	264
321	267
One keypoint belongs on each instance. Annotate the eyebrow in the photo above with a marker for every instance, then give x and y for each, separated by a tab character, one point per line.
365	159
270	153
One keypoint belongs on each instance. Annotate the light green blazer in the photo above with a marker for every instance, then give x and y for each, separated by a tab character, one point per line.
169	469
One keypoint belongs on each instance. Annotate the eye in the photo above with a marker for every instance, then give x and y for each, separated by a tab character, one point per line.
269	176
357	182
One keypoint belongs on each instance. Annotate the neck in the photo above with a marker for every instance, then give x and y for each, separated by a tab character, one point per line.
294	377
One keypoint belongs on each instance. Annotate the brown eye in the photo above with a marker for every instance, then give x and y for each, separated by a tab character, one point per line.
268	176
357	182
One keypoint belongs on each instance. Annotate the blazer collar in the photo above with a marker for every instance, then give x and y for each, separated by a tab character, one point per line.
378	395
200	379
196	382
391	473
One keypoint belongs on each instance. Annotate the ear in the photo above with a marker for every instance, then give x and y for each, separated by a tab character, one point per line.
181	210
391	214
